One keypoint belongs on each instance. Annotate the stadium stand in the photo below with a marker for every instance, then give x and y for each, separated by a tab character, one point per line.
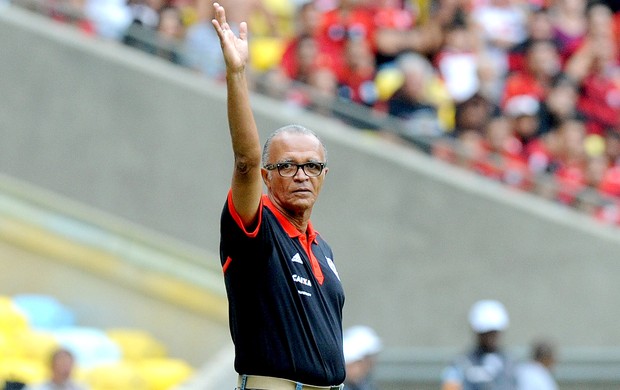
464	68
405	372
112	359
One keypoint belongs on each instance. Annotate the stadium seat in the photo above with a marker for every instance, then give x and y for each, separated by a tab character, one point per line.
265	52
164	374
33	344
115	376
137	344
23	370
12	319
44	311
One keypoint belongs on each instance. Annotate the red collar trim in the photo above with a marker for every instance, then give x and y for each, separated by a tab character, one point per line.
290	229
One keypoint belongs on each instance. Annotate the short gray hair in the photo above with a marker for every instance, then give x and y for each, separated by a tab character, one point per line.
293	129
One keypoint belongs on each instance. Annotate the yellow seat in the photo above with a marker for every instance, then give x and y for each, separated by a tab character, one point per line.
11	318
115	376
164	373
27	371
136	344
266	52
35	344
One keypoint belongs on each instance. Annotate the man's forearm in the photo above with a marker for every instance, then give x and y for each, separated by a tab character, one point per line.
243	131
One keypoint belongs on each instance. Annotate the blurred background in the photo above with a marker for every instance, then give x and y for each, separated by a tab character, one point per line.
469	159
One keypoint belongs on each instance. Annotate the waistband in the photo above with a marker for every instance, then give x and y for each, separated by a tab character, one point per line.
270	383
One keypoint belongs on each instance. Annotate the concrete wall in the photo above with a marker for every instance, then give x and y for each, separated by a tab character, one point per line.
416	241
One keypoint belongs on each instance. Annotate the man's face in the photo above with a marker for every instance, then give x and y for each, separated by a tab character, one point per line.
298	193
489	341
62	367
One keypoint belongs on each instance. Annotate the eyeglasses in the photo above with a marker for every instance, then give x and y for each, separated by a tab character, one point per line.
289	169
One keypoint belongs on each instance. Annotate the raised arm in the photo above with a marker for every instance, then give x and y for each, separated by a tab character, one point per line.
246	181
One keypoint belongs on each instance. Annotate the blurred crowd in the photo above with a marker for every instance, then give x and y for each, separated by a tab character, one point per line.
526	92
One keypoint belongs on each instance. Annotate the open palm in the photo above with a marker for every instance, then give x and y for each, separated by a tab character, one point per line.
235	49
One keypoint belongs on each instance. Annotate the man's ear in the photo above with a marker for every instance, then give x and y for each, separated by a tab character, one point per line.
266	176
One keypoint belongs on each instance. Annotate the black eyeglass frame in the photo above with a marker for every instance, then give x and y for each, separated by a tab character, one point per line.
281	165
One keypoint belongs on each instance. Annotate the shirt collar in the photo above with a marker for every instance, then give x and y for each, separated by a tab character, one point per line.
290	229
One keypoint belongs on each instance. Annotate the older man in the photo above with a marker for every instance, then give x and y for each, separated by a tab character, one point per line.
284	293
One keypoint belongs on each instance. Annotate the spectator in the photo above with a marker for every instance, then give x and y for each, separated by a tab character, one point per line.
457	62
110	18
568	18
569	160
398	31
560	104
142	32
539	28
301	54
595	65
522	110
356	78
502	25
612	146
61	366
352	19
542	67
202	46
416	102
504	159
361	346
536	374
486	366
170	34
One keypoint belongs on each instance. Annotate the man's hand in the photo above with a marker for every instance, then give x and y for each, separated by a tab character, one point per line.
235	49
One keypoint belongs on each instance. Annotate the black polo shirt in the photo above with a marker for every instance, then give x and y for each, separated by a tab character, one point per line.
285	299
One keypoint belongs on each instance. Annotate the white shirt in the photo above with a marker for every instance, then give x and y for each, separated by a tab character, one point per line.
535	376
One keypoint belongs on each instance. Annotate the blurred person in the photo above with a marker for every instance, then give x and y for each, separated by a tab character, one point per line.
62	364
457	62
474	113
486	366
110	18
595	66
570	25
536	374
612	146
351	19
394	20
501	25
559	105
142	32
202	46
361	345
542	67
301	52
522	110
356	79
504	159
539	28
568	164
287	328
419	101
170	34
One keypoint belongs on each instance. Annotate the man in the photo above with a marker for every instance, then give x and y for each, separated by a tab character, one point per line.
61	364
361	347
284	293
486	366
536	374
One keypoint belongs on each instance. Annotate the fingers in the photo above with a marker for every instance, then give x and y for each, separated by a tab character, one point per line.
220	14
243	31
